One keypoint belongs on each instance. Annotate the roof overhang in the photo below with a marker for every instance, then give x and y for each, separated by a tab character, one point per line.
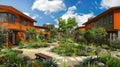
102	14
12	9
41	27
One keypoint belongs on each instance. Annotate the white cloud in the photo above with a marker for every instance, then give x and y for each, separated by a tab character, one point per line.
56	26
48	23
35	16
56	21
48	6
109	3
80	18
26	13
52	16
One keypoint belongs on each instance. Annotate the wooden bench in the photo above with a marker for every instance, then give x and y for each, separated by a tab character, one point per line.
42	56
3	60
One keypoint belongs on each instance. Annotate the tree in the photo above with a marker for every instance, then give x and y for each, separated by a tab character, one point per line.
41	36
62	24
50	26
67	26
53	30
53	33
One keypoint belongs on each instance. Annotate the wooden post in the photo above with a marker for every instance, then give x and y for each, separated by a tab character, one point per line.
7	38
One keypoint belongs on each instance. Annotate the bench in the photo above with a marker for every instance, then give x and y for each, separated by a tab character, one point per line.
3	60
42	56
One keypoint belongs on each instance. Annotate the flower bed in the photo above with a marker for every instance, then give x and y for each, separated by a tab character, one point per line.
105	60
73	49
33	44
15	58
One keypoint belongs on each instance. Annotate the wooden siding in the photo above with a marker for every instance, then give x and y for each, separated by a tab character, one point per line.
117	19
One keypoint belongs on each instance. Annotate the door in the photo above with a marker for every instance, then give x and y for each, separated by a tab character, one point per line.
13	38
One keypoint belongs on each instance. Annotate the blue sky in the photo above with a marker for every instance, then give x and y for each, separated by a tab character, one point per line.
48	11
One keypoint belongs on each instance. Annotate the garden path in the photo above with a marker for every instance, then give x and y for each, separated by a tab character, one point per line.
70	61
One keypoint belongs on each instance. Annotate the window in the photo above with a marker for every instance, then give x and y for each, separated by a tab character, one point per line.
3	17
95	24
26	36
25	22
105	20
111	18
11	18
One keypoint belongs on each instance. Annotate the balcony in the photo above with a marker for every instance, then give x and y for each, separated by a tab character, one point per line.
16	26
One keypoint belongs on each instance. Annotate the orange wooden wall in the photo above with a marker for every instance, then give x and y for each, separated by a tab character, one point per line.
117	19
82	28
90	25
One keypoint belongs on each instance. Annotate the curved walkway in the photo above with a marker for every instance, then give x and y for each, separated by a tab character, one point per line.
69	61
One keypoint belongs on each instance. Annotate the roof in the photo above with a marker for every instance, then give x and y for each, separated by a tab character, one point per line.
102	14
42	27
79	27
16	11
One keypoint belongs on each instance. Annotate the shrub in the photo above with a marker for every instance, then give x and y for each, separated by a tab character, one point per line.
105	46
71	49
21	44
13	58
96	36
31	33
86	61
3	35
110	61
37	43
79	36
104	58
115	44
45	63
51	40
118	50
42	36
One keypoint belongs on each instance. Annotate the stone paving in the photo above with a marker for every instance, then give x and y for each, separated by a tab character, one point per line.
69	61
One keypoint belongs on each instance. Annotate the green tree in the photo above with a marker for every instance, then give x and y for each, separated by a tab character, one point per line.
41	36
67	26
52	29
53	33
50	26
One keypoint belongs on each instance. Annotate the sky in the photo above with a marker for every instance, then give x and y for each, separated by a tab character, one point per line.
48	11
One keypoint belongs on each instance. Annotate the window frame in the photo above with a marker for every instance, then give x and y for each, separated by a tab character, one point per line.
25	22
105	20
26	36
95	24
5	19
111	18
11	16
